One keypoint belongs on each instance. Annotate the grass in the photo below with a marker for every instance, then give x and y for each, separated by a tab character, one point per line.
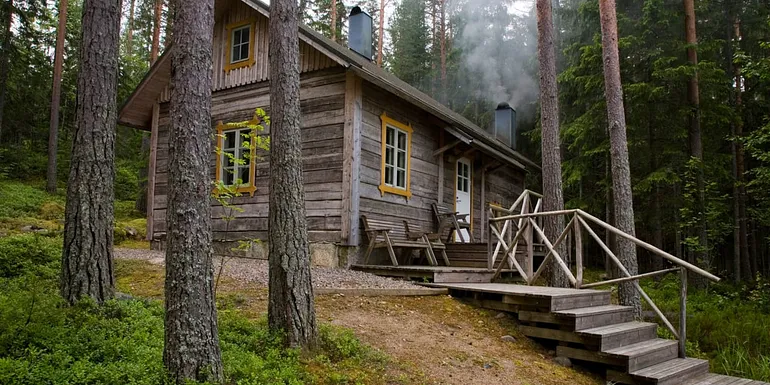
121	342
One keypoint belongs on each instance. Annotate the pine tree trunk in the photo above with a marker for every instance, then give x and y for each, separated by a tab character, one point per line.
657	226
621	170
191	349
155	47
443	52
130	30
87	266
5	58
53	128
382	33
291	307
696	146
553	198
334	20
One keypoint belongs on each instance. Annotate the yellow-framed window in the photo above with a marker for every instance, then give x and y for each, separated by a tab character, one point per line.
240	44
236	157
396	157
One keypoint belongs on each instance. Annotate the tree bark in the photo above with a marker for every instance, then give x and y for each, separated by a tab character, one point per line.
130	27
191	349
5	58
155	48
334	20
443	52
291	307
695	142
621	170
87	265
382	33
553	198
53	128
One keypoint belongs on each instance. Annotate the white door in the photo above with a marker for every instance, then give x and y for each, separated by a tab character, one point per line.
463	194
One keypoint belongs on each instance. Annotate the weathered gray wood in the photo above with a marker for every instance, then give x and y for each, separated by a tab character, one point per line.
633	278
671	372
151	170
352	159
551	334
613	336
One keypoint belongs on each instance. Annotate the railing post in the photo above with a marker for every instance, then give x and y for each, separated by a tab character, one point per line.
682	312
578	253
490	261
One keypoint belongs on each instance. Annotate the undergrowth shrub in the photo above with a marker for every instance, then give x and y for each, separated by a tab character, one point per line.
23	200
30	254
728	324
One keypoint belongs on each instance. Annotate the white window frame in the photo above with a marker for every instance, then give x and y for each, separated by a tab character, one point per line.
241	135
233	43
392	168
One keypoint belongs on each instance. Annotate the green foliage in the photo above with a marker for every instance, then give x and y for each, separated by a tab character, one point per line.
24	200
20	254
126	182
728	324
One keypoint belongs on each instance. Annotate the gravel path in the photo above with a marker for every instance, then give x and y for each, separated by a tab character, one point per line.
254	271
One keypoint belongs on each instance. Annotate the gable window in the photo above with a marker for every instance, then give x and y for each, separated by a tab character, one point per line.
240	43
235	158
396	154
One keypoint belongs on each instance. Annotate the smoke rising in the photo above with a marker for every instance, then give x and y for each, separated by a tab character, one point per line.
500	48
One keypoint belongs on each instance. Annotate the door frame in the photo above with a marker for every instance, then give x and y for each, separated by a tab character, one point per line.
469	160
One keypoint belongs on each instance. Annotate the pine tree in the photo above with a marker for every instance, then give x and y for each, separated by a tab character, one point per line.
87	260
291	307
53	128
191	350
621	170
410	60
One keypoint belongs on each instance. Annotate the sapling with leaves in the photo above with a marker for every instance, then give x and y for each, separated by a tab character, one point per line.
225	193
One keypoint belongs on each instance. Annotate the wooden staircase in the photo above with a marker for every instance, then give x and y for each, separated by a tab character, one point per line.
588	327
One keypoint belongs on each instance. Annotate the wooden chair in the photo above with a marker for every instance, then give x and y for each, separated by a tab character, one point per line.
452	220
391	235
434	239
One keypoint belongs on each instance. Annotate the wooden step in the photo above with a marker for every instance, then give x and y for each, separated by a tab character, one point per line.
673	372
627	333
593	317
646	353
630	358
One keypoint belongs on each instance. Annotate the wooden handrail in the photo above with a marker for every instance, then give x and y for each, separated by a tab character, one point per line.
631	278
531	215
648	246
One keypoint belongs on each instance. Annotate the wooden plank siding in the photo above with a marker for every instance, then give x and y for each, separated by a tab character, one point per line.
322	96
503	185
236	11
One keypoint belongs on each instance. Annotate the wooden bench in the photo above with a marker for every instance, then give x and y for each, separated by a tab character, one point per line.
449	219
392	235
433	238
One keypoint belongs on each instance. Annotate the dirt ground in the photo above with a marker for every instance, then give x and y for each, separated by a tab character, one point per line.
431	340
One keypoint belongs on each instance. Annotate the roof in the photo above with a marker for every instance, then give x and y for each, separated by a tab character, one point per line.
459	126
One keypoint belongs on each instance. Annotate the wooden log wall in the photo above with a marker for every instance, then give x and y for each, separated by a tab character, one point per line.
310	58
424	169
322	97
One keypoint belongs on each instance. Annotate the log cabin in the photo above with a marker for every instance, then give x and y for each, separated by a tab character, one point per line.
372	145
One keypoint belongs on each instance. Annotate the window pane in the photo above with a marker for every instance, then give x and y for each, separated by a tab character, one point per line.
229	155
389	156
227	176
244	175
389	175
401	159
465	185
237	37
401	178
229	140
389	132
402	140
244	51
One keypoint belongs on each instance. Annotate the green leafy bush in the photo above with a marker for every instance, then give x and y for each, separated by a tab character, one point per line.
29	253
126	183
23	200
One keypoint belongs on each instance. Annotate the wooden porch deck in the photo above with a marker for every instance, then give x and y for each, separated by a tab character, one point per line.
587	327
436	274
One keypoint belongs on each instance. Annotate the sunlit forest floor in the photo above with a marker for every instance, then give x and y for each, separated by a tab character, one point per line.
364	340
